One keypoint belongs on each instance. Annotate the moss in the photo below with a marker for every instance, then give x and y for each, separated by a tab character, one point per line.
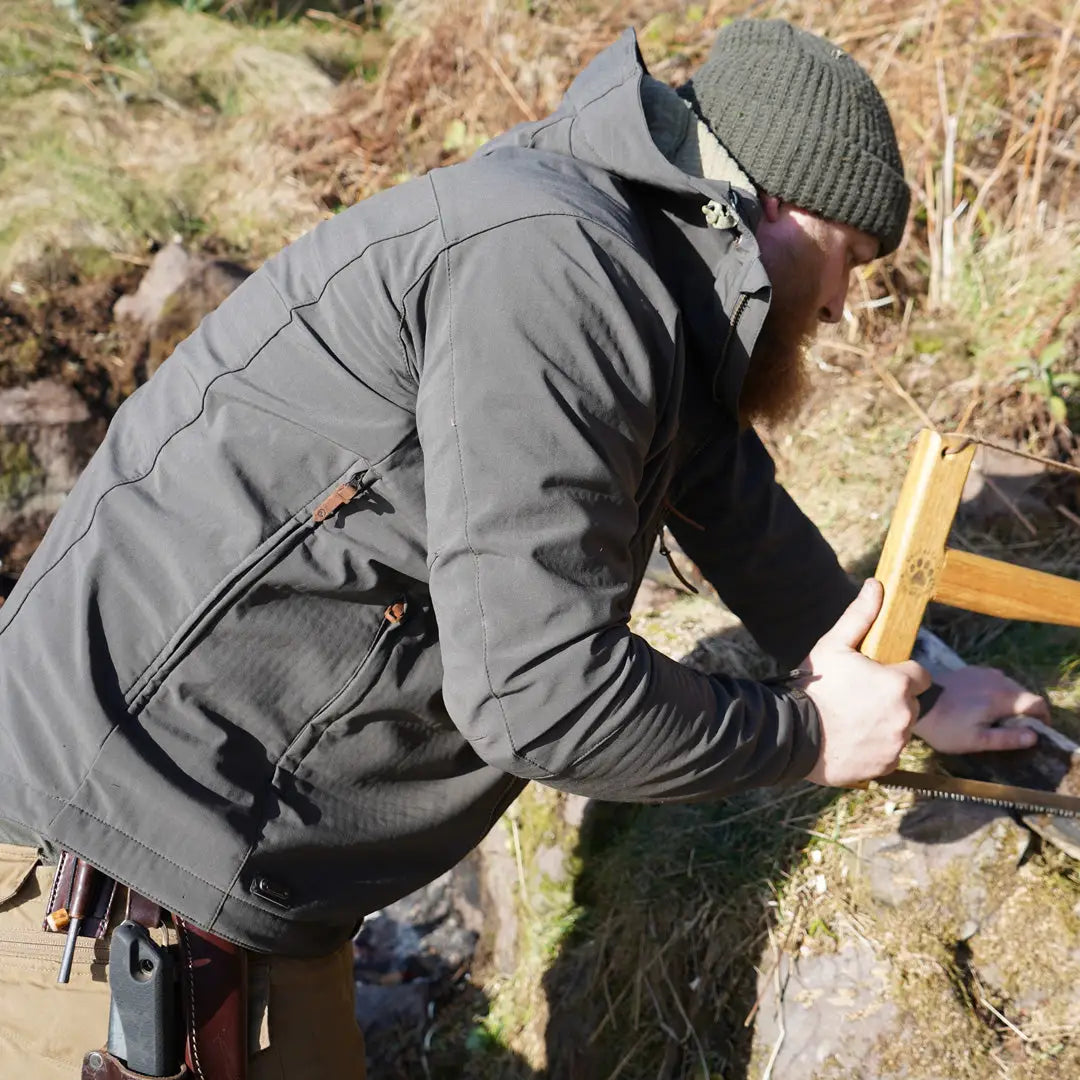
518	1012
20	473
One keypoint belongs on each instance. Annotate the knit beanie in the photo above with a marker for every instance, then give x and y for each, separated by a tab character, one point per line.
806	123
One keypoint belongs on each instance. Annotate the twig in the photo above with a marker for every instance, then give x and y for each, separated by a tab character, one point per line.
755	811
779	957
642	967
520	865
767	1074
625	1059
1004	1019
996	1059
133	260
508	85
946	214
1049	107
1052	327
1050	463
661	1022
933	235
691	1031
997	489
1065	512
78	76
425	1047
969	409
335	20
890	380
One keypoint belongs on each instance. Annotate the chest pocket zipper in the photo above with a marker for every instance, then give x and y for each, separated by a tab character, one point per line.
340	496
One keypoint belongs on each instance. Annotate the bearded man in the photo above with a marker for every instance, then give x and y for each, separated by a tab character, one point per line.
357	563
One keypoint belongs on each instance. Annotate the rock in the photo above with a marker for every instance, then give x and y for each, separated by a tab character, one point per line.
500	886
47	435
824	1014
653	596
998	479
42	403
939	928
1038	983
550	863
573	809
412	951
933	837
175	294
170	268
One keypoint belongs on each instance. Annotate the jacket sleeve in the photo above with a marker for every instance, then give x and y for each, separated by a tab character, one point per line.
764	556
543	367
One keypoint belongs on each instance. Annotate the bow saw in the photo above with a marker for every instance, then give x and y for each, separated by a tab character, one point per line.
916	567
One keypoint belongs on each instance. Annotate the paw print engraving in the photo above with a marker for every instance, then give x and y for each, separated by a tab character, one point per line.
919	572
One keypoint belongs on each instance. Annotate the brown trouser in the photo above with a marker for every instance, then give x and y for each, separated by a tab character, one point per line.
302	1024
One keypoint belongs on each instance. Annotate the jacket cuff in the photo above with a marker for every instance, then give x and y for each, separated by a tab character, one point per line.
805	723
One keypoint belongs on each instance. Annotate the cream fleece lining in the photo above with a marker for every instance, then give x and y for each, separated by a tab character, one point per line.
684	140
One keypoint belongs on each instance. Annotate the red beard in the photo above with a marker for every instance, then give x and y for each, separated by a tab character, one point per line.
777	381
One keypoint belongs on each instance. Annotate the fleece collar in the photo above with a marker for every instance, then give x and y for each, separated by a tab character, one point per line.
685	140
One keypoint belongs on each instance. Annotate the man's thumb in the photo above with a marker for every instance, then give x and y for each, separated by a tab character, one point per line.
851	627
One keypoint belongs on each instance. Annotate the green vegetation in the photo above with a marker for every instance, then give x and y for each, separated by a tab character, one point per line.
119	129
20	473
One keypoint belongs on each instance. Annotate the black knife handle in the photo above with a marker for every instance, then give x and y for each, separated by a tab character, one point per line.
142	979
929	698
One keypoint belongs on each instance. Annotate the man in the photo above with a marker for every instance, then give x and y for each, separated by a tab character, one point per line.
357	563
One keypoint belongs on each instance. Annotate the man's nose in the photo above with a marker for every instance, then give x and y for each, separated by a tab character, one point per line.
832	310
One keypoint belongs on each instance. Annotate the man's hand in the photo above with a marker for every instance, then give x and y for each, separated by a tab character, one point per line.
962	720
867	709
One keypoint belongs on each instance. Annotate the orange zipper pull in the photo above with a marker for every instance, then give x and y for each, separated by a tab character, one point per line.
342	494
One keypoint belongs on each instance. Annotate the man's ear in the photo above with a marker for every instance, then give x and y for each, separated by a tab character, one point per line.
771	205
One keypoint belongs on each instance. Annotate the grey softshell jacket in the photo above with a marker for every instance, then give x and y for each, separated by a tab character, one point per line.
274	725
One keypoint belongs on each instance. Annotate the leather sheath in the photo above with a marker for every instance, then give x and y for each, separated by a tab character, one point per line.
213	975
96	922
101	1065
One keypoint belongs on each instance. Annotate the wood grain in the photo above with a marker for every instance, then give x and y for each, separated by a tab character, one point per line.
914	551
992	587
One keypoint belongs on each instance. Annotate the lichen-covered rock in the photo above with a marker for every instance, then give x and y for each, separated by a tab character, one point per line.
47	435
820	1015
947	954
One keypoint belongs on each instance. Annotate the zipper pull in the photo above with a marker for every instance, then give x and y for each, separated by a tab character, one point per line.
341	495
666	552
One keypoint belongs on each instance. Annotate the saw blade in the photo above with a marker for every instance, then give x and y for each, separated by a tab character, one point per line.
938	786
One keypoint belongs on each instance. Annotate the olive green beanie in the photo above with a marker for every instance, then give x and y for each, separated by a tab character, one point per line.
806	123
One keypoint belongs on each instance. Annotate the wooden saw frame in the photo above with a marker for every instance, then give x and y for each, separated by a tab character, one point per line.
916	566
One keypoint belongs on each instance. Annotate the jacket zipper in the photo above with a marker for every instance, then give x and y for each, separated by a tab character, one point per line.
305	740
342	494
735	316
148	682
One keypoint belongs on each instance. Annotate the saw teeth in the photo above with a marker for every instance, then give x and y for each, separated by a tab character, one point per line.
983	800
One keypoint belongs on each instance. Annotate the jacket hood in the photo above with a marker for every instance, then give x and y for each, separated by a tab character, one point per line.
611	118
602	121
